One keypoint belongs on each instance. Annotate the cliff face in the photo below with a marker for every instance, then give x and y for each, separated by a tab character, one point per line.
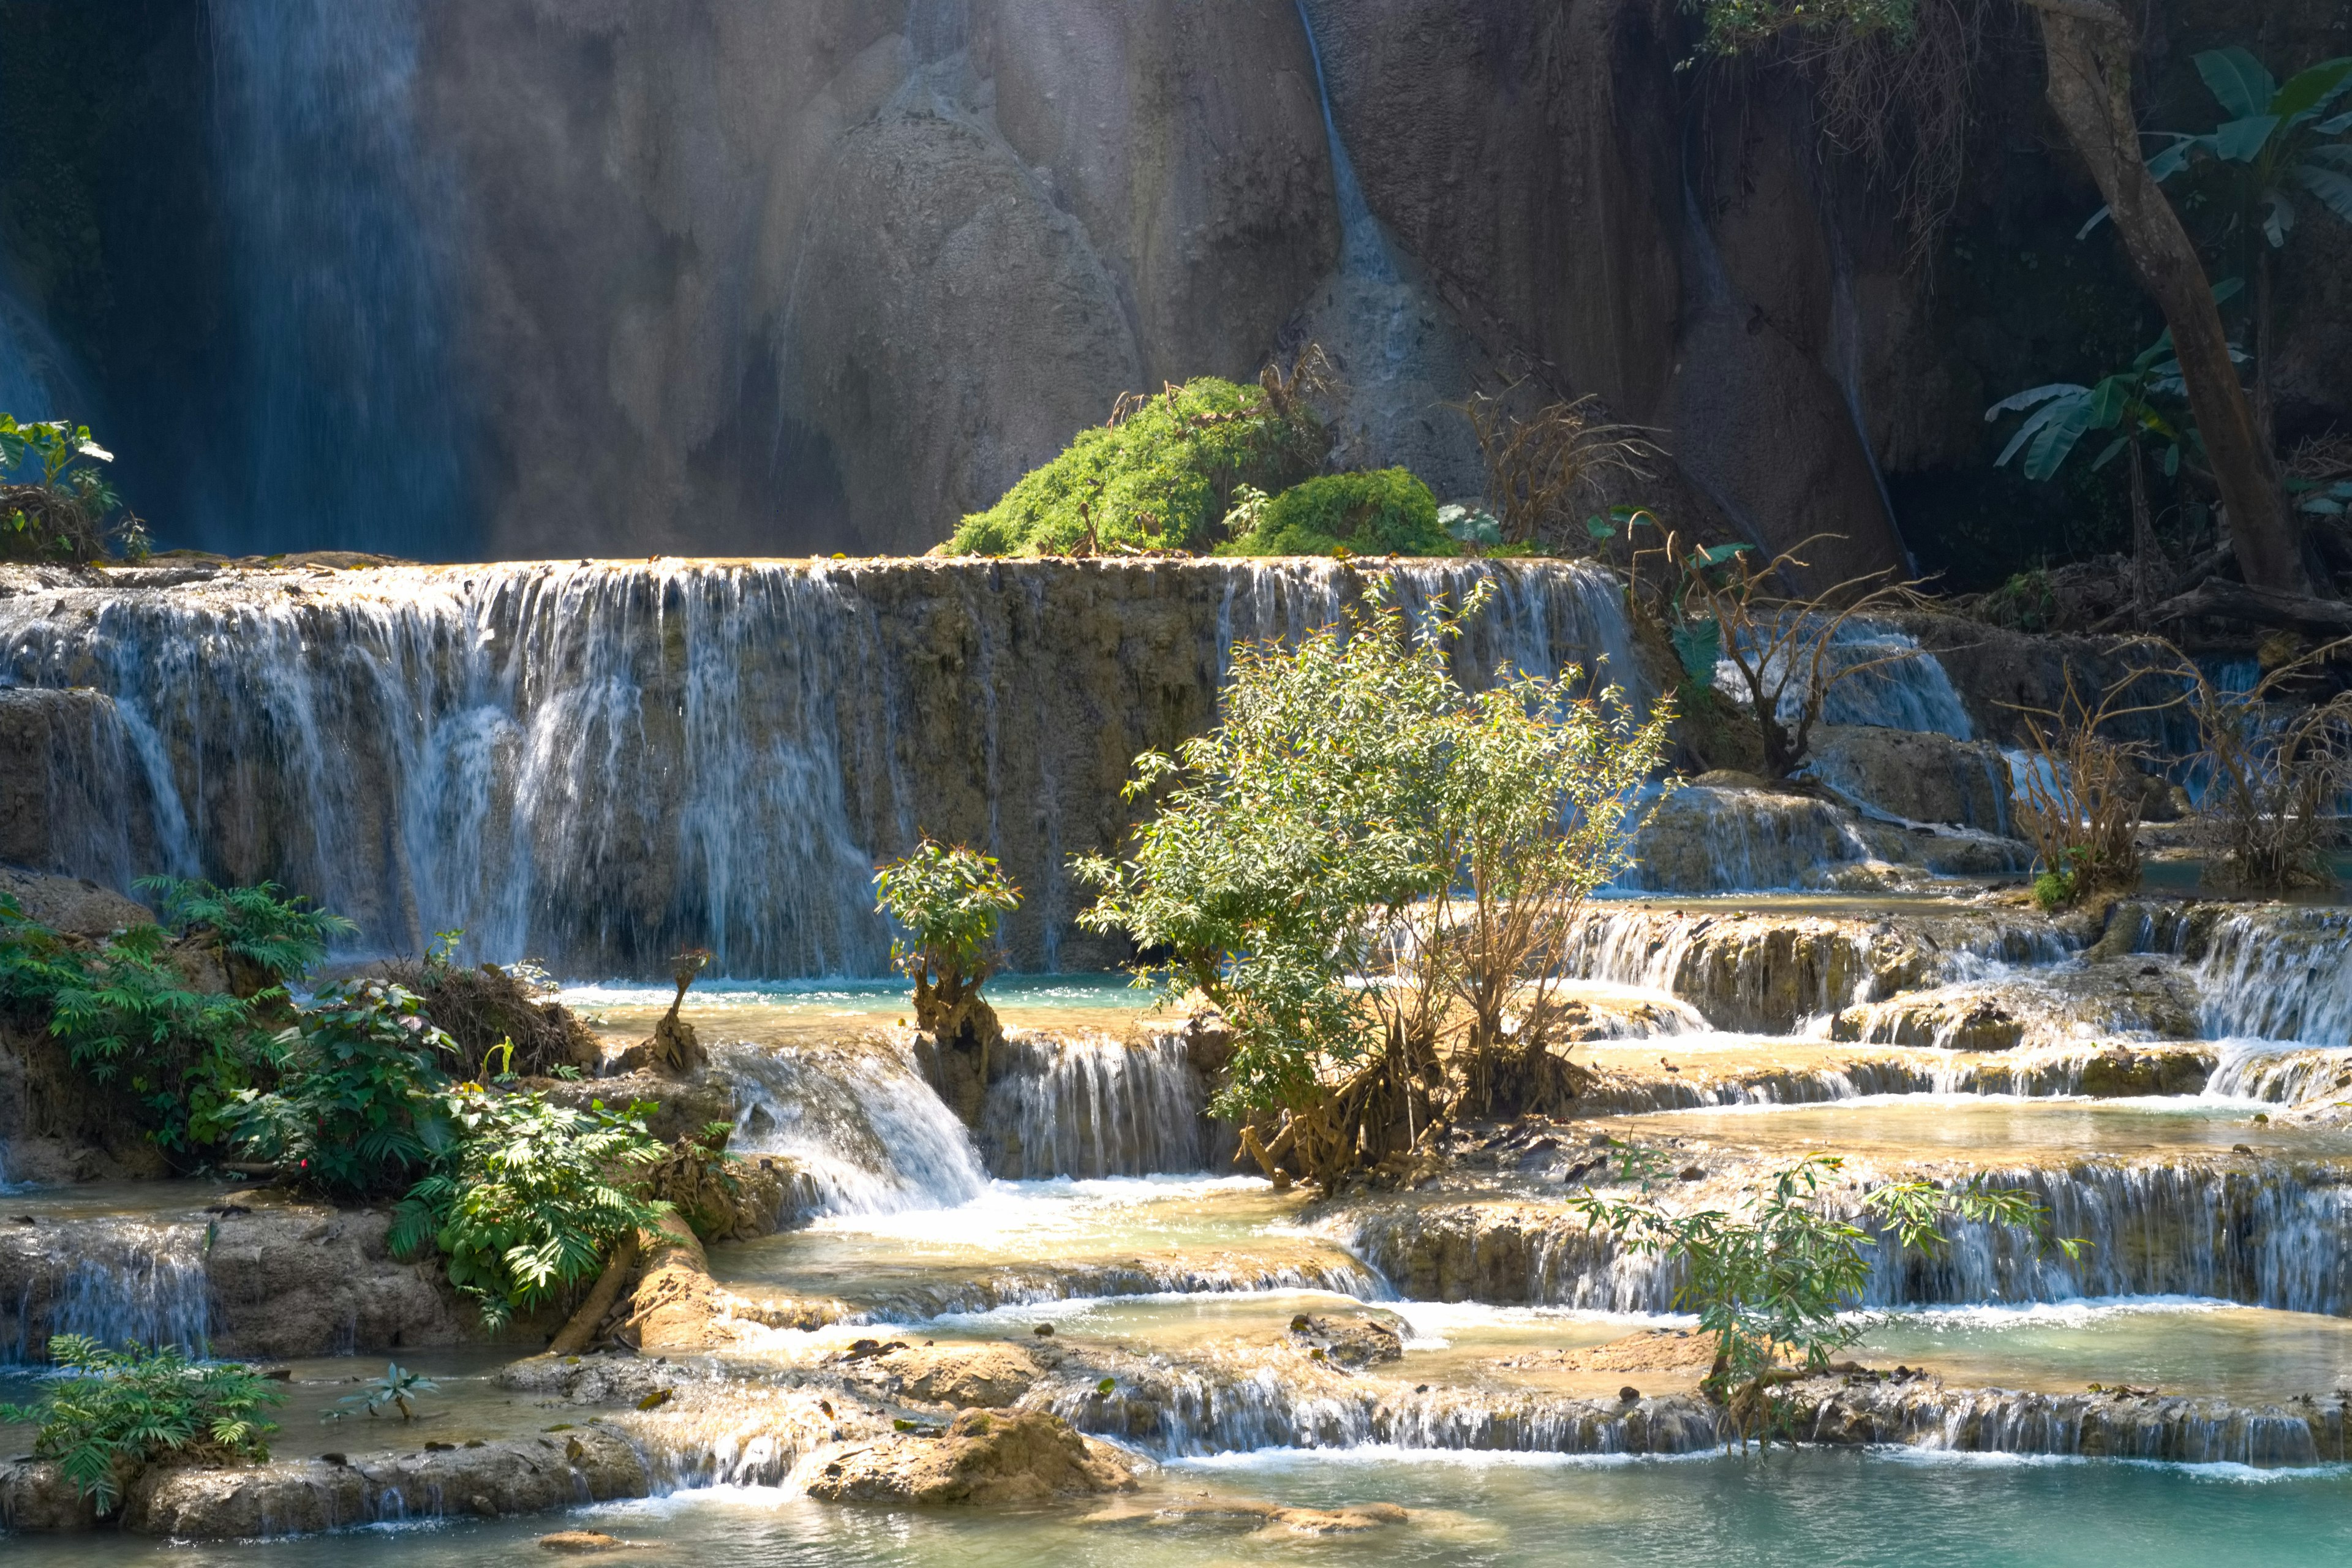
517	278
599	765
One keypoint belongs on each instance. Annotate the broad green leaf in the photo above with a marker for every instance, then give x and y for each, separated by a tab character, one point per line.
1700	643
2240	141
2017	401
2224	292
2096	218
2109	455
2334	190
2175	158
2336	153
2050	447
2108	400
2336	126
2238	80
2278	218
2027	431
1599	527
2171	461
1717	554
2323	506
2310	87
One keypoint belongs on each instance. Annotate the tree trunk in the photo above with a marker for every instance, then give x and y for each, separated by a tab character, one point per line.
2143	535
2089	44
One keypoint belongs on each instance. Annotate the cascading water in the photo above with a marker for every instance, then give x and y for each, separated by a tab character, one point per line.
2280	973
139	1285
1091	1106
598	765
864	1131
348	423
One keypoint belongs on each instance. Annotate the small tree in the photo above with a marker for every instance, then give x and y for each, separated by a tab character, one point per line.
1717	604
2275	773
1372	871
948	902
2083	791
1774	1279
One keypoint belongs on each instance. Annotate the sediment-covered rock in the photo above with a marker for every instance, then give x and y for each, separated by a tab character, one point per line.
982	1457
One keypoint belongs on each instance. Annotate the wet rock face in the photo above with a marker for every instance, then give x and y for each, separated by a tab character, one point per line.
1916	775
983	1457
1351	1342
289	1280
990	1376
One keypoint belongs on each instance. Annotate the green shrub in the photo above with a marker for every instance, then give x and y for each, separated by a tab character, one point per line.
1160	475
361	1102
121	1410
948	902
67	513
130	1015
531	1197
1386	511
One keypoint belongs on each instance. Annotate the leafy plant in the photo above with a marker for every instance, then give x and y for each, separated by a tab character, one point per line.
393	1390
530	1196
1369	872
116	1411
282	938
1161	474
1473	528
127	1013
2277	143
64	514
1384	512
360	1103
1771	1277
948	902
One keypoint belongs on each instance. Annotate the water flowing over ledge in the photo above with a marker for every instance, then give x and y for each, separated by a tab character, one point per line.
595	764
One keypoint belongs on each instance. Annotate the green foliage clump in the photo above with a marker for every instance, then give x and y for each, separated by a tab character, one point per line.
1734	26
1384	512
1160	475
119	1410
67	513
1773	1280
1298	868
282	937
530	1196
361	1101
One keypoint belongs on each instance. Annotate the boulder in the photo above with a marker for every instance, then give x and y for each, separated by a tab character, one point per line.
75	906
988	1375
984	1457
1353	1342
1919	775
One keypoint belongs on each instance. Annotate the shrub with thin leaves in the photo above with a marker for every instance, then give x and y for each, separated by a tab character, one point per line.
530	1197
116	1411
361	1104
1372	871
1774	1279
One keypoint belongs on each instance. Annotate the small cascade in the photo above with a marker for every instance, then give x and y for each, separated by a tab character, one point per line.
1091	1106
2280	973
596	765
865	1130
1912	690
128	1284
1766	975
2240	1234
2259	1069
1701	840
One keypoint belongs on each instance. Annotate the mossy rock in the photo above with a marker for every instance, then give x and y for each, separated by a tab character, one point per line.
1162	478
1385	511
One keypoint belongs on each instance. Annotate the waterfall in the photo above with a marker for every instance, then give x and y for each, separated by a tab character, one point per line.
596	765
1092	1106
1363	250
1707	840
2280	973
345	413
38	381
867	1133
128	1284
